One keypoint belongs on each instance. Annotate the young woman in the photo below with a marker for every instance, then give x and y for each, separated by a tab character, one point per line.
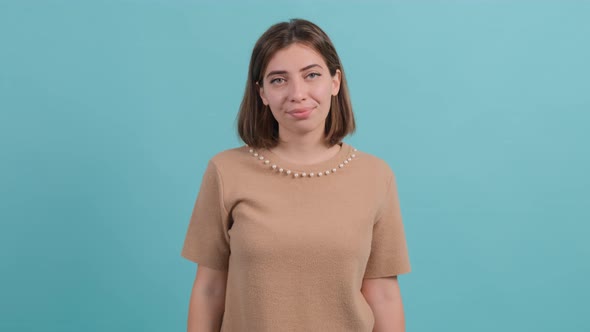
296	230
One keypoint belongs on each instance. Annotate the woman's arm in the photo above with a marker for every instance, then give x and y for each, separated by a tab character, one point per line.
207	301
384	298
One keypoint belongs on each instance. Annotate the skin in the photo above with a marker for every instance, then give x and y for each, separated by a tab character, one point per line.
207	301
384	297
297	77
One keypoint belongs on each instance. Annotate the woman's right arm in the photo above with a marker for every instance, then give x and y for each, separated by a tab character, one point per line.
207	301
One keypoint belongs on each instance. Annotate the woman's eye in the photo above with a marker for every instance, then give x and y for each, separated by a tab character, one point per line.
313	75
277	80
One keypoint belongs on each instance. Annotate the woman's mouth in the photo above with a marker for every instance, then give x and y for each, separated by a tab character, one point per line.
300	113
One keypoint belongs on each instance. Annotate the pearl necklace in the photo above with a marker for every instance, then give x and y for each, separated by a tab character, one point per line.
288	172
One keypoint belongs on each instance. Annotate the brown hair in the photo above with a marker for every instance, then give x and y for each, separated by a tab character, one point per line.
256	126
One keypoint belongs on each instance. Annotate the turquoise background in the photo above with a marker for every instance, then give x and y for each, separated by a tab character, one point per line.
111	109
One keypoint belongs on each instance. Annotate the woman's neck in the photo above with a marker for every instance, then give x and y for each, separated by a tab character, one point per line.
305	149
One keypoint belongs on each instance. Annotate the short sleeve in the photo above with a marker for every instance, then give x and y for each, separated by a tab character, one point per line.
389	252
207	239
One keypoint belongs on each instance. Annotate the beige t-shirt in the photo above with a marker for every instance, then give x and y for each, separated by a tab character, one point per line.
297	248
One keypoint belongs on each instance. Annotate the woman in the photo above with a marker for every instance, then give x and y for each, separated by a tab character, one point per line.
297	230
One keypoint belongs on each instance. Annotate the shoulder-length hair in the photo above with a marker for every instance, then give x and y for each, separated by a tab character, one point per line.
256	126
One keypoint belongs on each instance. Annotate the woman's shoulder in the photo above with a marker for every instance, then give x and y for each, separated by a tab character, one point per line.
229	156
376	163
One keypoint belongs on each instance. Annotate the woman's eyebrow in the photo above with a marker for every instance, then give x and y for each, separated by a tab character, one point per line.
283	72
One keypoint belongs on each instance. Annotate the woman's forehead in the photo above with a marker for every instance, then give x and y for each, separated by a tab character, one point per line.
295	57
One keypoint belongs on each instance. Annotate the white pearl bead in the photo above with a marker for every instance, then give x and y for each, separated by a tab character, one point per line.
355	150
303	174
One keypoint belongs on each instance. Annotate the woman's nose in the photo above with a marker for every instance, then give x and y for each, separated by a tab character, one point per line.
297	90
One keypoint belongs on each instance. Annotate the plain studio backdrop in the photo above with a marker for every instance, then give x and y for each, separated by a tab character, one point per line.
110	111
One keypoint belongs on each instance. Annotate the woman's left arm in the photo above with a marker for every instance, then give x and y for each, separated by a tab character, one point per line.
384	298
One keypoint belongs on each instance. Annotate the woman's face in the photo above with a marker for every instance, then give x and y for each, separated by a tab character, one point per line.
298	88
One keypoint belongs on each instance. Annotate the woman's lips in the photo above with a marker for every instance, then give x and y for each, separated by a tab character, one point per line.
300	113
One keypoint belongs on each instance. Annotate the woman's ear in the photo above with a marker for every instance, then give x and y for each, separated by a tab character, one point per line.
261	93
336	82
